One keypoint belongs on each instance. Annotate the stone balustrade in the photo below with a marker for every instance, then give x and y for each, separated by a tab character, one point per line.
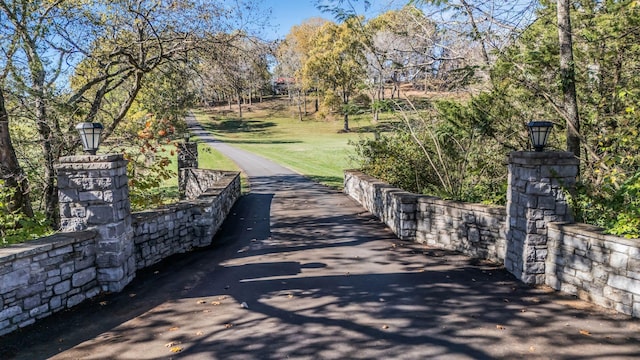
104	244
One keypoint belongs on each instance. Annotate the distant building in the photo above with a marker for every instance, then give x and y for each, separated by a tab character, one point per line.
282	85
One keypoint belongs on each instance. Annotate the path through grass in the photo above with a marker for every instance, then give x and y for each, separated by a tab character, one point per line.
315	148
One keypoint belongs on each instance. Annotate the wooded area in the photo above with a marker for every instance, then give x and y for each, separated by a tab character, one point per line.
478	72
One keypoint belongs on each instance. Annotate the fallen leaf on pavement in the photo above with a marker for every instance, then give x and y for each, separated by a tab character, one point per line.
500	327
216	303
385	327
176	349
585	332
202	301
228	326
199	333
174	328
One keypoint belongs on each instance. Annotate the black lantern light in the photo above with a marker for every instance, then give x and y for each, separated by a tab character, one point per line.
539	133
90	136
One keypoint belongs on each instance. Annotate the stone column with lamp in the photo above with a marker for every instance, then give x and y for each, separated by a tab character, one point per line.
94	193
539	182
187	159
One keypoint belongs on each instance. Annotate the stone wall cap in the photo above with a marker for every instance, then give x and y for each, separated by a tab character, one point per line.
591	231
91	158
476	207
44	244
542	158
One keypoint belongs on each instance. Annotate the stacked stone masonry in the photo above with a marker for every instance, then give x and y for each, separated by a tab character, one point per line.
578	259
538	182
54	273
186	225
473	229
94	193
596	267
45	276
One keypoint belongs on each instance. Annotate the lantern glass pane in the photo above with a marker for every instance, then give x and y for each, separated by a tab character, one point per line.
90	136
539	133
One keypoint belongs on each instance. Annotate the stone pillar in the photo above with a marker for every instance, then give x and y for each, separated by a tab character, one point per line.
94	193
538	182
187	159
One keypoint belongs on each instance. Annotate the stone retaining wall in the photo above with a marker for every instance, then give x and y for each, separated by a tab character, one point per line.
474	229
188	224
57	272
44	276
596	267
578	258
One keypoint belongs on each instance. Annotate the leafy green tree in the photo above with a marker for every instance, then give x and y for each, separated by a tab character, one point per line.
292	54
336	63
76	61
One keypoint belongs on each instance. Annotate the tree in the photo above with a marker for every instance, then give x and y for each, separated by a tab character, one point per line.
336	63
76	61
10	170
292	55
568	77
236	69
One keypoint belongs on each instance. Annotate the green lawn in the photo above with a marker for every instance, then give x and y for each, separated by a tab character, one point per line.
315	148
208	158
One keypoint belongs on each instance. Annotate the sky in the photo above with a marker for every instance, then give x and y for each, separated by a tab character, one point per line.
287	13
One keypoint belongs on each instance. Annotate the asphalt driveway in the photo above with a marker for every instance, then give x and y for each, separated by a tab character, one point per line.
302	271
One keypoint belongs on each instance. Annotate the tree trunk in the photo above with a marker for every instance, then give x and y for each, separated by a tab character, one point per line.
346	122
47	137
239	95
476	32
10	170
299	105
304	94
345	99
567	72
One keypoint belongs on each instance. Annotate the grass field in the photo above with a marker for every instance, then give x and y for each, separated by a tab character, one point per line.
208	158
315	148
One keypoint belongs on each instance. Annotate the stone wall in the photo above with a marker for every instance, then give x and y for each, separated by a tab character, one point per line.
50	274
474	229
188	224
393	206
44	276
596	267
578	258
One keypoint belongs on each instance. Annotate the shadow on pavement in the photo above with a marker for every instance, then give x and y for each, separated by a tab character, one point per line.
300	271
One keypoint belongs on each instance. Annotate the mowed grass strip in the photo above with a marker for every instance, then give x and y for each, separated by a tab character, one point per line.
314	148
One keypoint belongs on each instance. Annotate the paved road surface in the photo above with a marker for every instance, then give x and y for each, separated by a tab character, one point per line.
301	271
